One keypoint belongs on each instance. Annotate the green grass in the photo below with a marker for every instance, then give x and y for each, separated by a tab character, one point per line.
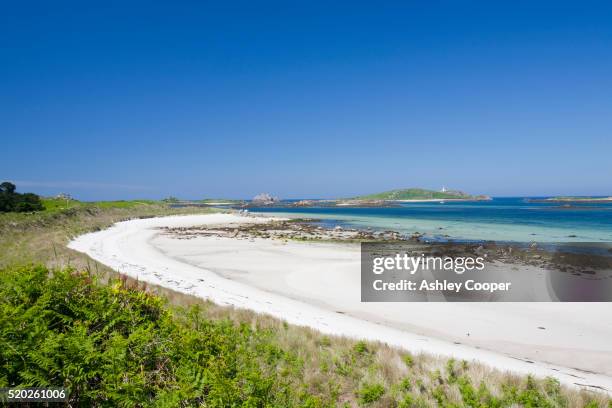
57	204
123	204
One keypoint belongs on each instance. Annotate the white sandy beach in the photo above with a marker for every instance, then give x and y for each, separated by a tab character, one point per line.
318	285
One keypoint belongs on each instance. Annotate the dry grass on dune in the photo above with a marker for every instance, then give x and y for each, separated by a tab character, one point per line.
346	367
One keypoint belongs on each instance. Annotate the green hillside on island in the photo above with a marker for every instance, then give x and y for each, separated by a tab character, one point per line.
420	194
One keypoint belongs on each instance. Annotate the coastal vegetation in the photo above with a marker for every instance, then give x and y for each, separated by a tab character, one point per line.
118	344
66	320
42	236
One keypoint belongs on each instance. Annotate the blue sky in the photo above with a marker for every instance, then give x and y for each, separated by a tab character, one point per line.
305	99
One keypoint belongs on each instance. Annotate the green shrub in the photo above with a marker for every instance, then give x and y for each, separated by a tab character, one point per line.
325	341
408	360
410	401
12	201
370	393
450	370
361	347
405	384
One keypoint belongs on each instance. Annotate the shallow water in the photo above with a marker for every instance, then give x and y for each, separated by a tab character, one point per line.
501	219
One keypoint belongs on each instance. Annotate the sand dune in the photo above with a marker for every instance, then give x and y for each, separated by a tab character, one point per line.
318	285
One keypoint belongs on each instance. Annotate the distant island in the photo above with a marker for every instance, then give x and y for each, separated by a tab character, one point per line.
392	198
421	194
572	199
581	199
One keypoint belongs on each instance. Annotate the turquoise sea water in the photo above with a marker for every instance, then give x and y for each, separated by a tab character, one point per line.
502	219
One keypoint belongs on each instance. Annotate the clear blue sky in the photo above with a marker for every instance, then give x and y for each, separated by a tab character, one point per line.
305	99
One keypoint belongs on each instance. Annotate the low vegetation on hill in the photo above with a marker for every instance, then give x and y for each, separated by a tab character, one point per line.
116	342
416	194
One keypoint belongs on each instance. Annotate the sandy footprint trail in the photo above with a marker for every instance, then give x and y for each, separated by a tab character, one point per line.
317	285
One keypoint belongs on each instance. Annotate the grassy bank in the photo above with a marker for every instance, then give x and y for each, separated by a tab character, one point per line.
126	344
42	236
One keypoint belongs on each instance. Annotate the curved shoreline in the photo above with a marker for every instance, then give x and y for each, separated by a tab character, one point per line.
127	247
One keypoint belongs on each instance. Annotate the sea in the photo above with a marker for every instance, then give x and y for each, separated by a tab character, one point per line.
502	219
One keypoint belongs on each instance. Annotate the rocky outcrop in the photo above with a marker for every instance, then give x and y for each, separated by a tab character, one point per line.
264	199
